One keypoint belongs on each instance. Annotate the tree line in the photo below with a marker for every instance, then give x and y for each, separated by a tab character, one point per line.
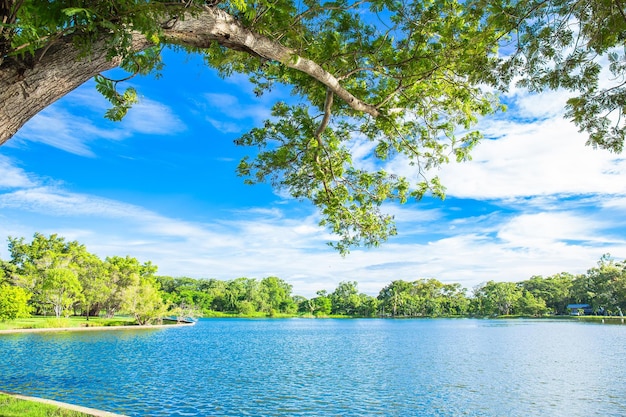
50	275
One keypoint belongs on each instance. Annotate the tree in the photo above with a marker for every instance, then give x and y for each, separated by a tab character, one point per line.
13	302
243	295
605	285
412	77
123	274
555	290
393	297
61	289
530	305
144	302
278	294
31	261
91	273
345	299
496	298
455	301
557	45
319	306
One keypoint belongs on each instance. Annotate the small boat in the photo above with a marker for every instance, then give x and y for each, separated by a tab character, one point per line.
184	320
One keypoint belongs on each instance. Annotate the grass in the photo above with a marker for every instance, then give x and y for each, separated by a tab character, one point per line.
14	407
39	322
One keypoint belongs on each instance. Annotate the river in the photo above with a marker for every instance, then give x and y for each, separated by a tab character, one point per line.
328	367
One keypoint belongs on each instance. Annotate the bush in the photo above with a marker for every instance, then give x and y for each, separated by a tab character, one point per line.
13	303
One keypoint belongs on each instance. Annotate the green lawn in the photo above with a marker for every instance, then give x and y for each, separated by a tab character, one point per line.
39	322
14	407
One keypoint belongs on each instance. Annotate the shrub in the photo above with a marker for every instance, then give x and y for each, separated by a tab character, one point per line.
13	303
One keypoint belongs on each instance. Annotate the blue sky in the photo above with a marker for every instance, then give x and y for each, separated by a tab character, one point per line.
161	186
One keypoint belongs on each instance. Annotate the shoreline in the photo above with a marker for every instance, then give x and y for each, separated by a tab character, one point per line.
93	328
85	410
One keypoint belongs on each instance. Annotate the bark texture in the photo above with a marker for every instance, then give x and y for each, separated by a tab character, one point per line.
26	88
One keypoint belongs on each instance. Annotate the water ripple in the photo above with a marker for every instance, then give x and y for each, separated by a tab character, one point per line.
329	367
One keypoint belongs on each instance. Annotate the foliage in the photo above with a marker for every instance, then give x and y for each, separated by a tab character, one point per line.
13	302
576	46
61	289
145	303
410	79
64	276
124	276
31	261
423	297
52	272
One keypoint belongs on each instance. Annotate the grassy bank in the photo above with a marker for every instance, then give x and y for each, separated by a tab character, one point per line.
38	322
14	407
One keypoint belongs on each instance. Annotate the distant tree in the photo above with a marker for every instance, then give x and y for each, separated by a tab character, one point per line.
454	300
61	288
278	294
92	275
423	297
529	305
555	290
393	297
144	302
320	305
217	290
30	262
495	298
368	306
323	306
124	276
243	295
606	284
345	299
186	294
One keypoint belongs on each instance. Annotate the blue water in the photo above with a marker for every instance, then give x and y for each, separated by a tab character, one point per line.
305	367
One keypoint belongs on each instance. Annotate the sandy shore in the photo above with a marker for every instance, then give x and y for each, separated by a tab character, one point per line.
94	328
85	410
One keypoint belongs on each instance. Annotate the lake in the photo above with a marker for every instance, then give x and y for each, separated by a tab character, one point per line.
327	367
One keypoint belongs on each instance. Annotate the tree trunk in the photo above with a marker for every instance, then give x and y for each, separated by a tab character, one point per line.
28	86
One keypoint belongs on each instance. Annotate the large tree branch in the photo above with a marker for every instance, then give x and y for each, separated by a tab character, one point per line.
216	25
26	88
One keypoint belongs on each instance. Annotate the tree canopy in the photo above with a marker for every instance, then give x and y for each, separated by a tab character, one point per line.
412	76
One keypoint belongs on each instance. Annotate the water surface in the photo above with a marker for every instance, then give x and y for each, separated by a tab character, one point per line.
303	367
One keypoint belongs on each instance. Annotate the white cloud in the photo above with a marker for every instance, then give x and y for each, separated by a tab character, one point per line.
11	176
52	201
535	230
77	120
548	104
154	118
223	100
60	129
228	114
224	127
545	158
